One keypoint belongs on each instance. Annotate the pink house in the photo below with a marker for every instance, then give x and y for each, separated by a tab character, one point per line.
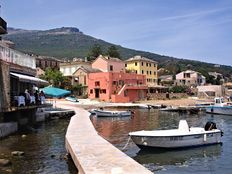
117	86
108	64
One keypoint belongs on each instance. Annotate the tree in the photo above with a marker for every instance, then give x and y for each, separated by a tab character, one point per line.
95	51
210	79
113	52
54	77
178	89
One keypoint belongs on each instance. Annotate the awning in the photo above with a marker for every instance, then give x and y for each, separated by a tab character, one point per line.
29	79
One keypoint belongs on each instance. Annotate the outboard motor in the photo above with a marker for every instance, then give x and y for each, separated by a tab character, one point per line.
210	125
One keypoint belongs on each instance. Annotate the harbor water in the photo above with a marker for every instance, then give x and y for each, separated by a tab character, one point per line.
44	145
204	159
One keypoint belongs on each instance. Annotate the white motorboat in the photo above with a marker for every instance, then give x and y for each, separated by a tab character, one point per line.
178	138
108	113
220	107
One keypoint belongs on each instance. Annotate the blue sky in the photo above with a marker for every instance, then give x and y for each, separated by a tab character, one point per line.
190	29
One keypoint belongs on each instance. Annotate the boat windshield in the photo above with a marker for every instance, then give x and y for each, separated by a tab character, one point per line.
219	100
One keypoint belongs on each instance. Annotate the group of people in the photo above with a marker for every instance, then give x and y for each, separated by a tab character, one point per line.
33	98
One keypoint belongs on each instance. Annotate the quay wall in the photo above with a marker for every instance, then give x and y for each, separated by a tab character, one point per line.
8	128
91	153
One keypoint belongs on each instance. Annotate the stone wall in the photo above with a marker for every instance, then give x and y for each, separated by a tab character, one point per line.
4	86
164	96
8	128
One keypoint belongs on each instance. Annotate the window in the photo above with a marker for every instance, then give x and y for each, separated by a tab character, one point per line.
186	75
111	67
142	71
150	64
103	91
154	65
135	63
142	63
154	72
91	91
147	64
150	72
125	65
125	93
97	83
136	71
84	80
114	82
147	72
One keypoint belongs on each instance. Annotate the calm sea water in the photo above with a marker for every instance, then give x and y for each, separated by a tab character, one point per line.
207	159
44	148
44	151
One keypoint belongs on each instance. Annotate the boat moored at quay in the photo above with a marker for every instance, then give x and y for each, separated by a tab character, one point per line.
220	107
178	138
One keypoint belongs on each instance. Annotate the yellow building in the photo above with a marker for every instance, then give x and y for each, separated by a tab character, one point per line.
142	65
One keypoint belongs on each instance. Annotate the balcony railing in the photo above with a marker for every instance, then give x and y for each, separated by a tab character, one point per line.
3	26
16	57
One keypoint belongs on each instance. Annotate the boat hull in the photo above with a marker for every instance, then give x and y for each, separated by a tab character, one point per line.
112	113
171	142
222	110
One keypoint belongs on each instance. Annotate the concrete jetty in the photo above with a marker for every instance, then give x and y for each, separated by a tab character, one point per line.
91	153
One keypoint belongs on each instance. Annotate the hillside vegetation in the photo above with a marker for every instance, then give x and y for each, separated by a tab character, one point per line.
68	42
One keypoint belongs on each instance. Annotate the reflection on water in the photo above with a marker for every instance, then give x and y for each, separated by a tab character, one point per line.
208	159
172	157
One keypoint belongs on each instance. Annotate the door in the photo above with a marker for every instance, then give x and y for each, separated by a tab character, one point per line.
97	93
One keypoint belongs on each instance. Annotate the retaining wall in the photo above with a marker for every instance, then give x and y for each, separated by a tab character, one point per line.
163	96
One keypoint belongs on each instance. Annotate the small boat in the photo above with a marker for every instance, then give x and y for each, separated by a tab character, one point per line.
184	109
170	109
108	113
178	138
219	107
72	99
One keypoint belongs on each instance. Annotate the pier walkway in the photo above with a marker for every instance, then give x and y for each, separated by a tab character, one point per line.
90	152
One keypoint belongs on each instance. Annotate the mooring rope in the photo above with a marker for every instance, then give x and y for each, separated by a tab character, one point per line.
126	143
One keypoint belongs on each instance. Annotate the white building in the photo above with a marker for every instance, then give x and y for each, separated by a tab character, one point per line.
190	78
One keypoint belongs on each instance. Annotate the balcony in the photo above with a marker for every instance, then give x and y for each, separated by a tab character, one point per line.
3	26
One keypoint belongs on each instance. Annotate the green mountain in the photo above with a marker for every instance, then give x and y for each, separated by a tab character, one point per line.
69	42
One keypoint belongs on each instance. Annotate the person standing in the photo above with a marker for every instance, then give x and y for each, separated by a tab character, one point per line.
27	97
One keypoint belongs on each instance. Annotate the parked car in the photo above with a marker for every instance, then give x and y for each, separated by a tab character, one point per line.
72	99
